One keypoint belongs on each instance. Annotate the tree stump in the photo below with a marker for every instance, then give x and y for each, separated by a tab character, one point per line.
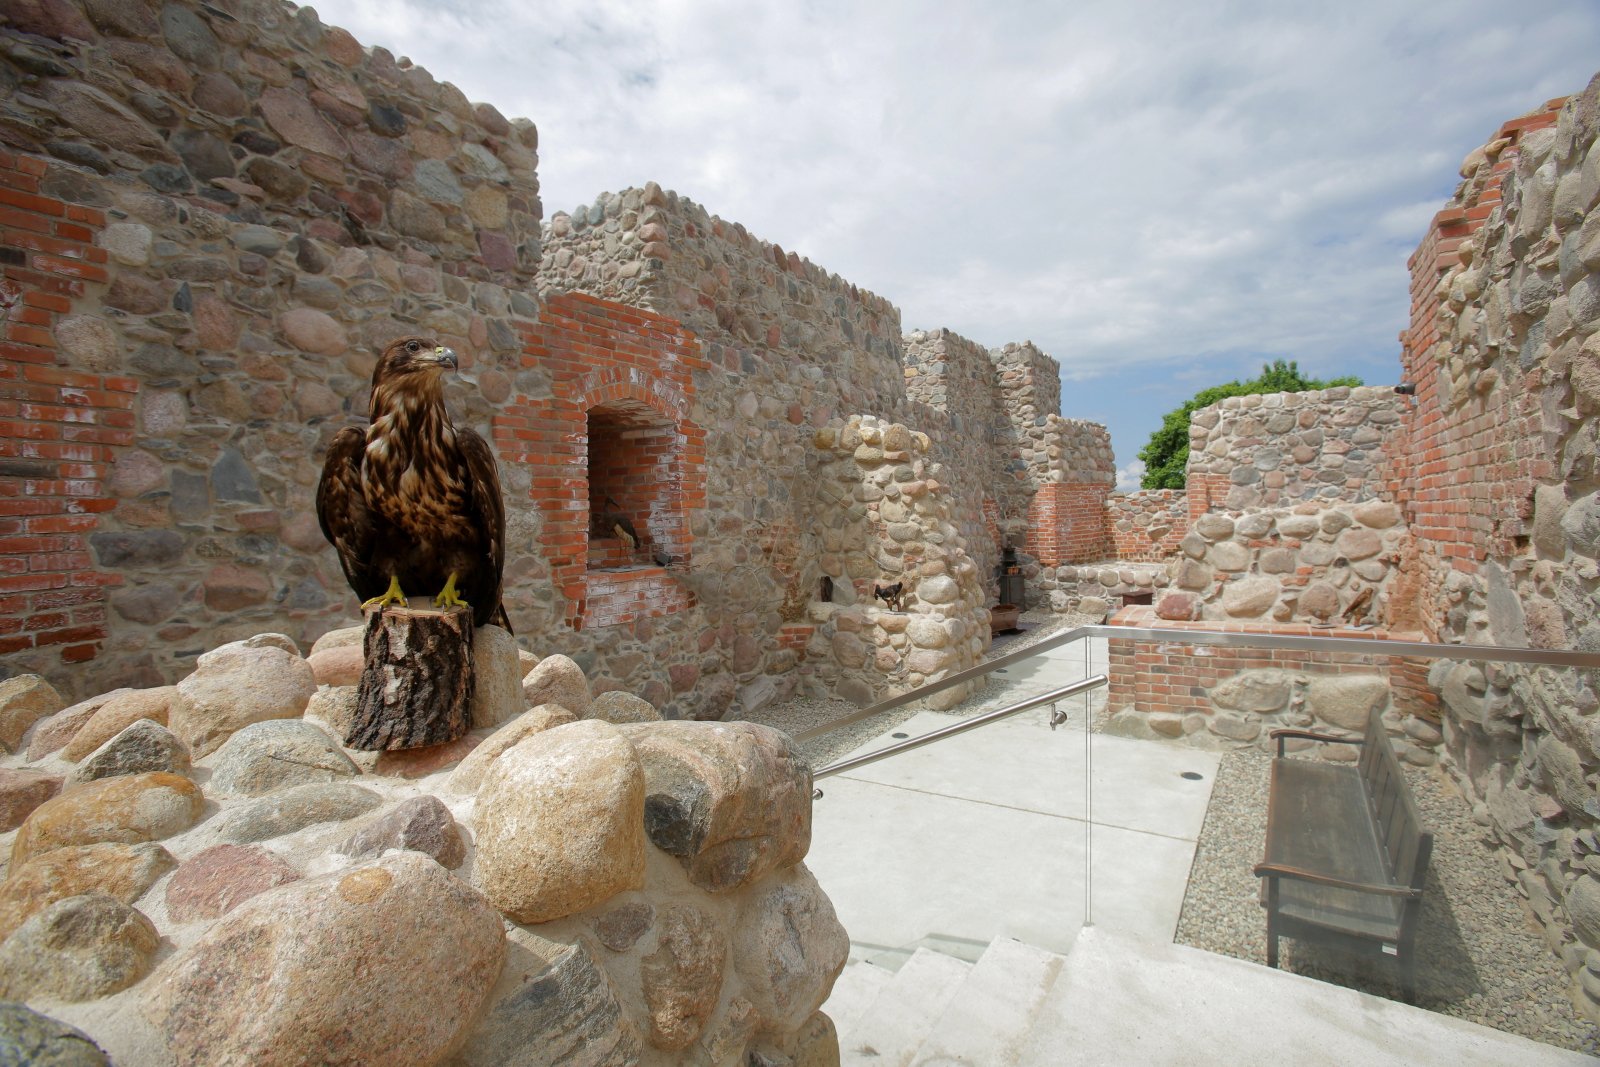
416	685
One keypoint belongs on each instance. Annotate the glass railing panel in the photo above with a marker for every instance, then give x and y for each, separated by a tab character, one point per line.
976	836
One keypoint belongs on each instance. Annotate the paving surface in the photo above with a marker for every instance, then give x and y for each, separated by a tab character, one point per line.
990	834
1125	1001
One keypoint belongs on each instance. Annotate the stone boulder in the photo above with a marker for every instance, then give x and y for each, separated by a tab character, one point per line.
334	708
213	882
1346	700
126	810
497	693
385	963
79	948
468	776
24	700
554	1005
731	800
560	823
1260	691
789	947
143	747
295	809
1250	597
52	733
618	706
344	637
236	685
421	824
558	680
339	665
682	978
277	754
124	708
26	1037
121	871
21	791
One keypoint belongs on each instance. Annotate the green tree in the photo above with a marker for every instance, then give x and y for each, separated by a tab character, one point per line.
1167	454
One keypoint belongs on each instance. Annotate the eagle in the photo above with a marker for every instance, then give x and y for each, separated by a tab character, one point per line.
412	503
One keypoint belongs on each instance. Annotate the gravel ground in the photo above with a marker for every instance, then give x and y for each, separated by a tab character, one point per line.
1481	958
800	714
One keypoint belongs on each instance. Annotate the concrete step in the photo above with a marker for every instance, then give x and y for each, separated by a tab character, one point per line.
857	986
1120	1000
889	1032
989	1017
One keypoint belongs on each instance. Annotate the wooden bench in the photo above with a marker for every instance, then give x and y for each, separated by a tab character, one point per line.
1346	854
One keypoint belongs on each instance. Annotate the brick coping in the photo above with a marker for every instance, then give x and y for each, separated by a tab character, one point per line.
1143	615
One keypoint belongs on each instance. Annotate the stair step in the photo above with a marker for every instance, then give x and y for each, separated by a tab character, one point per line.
857	986
987	1020
889	1032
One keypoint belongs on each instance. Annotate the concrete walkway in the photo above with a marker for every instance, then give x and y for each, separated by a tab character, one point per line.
1124	1001
989	834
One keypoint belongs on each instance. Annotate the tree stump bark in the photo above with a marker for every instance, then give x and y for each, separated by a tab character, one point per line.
416	685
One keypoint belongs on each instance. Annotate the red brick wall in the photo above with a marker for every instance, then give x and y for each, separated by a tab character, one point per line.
616	358
1177	678
1067	524
58	426
1467	468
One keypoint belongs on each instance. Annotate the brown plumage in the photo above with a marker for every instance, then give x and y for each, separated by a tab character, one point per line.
412	503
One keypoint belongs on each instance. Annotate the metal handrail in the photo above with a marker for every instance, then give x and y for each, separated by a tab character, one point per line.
1380	646
1094	682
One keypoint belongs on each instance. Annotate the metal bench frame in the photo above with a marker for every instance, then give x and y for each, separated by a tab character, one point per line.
1346	854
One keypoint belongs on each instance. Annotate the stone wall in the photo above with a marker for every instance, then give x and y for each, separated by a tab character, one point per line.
886	520
1147	525
658	250
1226	697
1316	564
205	874
1248	452
213	219
1502	486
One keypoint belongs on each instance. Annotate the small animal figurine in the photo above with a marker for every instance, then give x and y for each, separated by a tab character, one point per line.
891	595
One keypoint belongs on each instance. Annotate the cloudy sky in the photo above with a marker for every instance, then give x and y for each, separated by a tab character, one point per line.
1162	195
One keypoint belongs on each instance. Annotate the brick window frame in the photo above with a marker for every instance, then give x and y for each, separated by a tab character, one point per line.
636	369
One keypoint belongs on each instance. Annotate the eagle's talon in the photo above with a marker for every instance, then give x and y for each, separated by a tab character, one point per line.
391	595
448	597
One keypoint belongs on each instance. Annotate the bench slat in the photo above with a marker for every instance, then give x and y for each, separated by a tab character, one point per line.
1307	797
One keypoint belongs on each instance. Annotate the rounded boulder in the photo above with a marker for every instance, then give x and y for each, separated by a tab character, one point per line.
560	823
236	685
383	963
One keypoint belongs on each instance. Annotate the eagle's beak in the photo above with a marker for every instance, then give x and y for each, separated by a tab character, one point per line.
445	357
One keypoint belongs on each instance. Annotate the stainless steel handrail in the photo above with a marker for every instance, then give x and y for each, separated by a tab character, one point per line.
1371	646
1094	682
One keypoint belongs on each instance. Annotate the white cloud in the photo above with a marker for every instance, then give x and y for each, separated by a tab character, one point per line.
1129	476
1154	188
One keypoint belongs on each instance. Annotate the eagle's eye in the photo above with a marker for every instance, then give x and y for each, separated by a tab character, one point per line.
413	347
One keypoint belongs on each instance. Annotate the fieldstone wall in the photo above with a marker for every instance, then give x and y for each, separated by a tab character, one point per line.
1503	346
1147	525
213	219
575	882
658	250
886	520
1249	452
1310	563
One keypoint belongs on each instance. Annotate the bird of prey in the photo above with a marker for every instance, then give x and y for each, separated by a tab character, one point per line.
615	522
412	503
